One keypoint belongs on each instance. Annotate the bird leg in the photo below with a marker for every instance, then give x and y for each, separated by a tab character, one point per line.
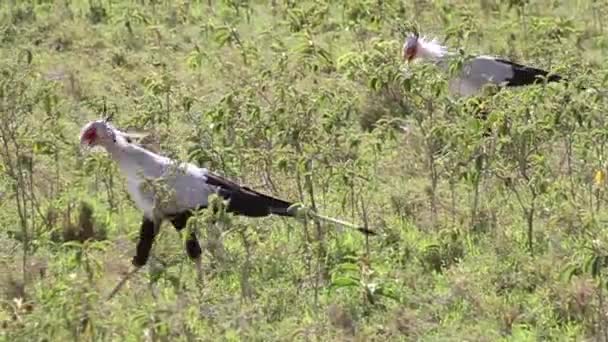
147	233
193	248
194	251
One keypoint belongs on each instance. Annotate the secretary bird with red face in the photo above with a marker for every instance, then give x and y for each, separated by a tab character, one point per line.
189	188
477	71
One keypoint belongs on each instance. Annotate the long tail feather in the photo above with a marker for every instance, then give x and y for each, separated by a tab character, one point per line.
342	223
298	210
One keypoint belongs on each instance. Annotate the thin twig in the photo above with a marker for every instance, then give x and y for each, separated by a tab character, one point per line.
121	283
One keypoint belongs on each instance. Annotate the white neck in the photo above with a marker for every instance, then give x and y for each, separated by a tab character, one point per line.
431	49
119	148
137	164
131	156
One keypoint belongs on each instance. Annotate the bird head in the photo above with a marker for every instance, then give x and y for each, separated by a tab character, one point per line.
97	133
102	133
410	47
416	47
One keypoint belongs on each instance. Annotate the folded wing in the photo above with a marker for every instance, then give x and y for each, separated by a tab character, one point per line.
245	201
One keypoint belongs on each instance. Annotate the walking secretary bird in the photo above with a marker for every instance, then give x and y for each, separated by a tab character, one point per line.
186	188
477	71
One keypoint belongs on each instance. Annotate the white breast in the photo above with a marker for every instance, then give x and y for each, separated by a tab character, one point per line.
179	189
134	174
143	201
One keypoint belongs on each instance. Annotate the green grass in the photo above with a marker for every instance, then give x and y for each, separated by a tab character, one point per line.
488	230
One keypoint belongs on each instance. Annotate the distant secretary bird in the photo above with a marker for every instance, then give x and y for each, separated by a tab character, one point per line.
476	72
188	189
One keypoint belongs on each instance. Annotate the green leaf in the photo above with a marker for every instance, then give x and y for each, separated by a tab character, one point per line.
388	293
76	244
347	267
340	282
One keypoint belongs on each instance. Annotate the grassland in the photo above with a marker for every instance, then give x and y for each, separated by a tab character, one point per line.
488	229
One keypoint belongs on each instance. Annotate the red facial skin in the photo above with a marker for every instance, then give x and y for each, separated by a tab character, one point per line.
409	53
89	136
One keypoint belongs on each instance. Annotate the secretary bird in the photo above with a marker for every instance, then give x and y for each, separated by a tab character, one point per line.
477	71
189	188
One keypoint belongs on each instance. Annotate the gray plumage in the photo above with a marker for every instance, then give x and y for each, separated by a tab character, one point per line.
162	187
477	71
140	167
165	189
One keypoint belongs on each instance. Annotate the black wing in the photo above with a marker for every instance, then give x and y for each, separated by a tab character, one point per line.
525	75
245	201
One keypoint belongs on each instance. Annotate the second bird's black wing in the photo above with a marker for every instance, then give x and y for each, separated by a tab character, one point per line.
525	75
